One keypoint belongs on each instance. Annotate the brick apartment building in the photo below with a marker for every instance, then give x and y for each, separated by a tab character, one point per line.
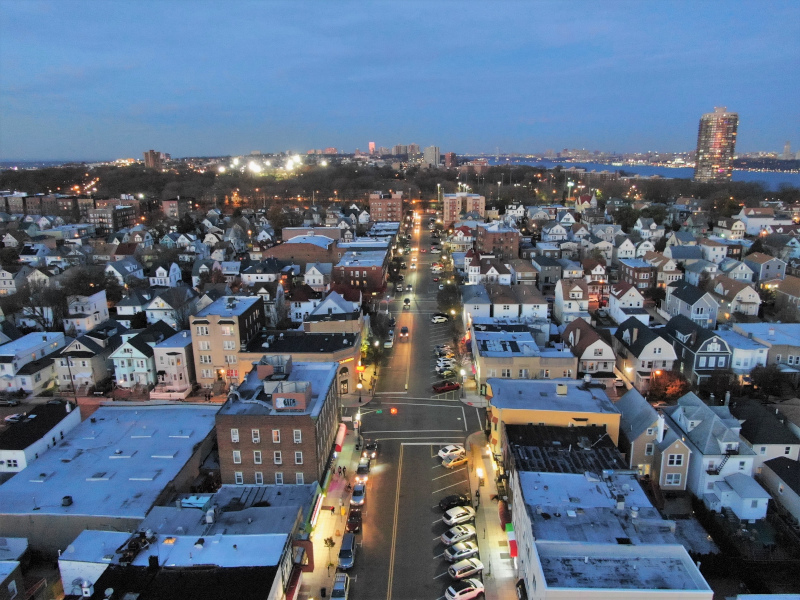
498	239
639	273
386	207
302	250
280	425
454	204
109	220
219	332
365	271
176	207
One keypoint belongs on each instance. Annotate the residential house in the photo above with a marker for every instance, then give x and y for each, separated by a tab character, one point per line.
760	219
597	278
782	341
730	229
765	267
638	272
318	276
134	366
84	313
571	301
487	270
595	355
644	247
721	466
570	269
135	302
12	279
27	362
594	245
553	231
265	272
734	297
681	238
522	272
301	300
125	270
736	270
647	228
203	268
690	301
700	351
174	306
713	251
684	255
649	446
781	478
607	231
696	224
700	272
508	302
579	232
549	272
624	302
165	275
336	314
174	362
624	249
85	362
765	432
666	269
641	352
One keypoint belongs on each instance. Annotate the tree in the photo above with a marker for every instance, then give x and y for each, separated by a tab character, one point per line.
661	244
767	380
720	382
758	246
449	298
139	320
113	288
9	257
379	323
667	386
626	217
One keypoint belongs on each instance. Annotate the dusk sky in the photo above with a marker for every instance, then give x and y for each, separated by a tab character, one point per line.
104	80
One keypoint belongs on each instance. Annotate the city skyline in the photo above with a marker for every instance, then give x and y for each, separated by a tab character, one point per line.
229	79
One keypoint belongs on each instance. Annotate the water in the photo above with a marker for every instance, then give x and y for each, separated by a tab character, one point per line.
771	179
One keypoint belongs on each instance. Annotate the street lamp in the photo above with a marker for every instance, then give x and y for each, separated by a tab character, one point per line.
359	386
463	381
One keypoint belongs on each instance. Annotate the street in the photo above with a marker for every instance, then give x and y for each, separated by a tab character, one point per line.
401	554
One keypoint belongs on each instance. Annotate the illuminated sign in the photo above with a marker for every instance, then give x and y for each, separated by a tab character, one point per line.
285	402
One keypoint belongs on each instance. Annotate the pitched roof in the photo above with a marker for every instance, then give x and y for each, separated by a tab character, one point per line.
726	287
638	333
586	336
787	470
686	292
716	424
790	286
684	252
637	415
759	258
761	425
618	290
684	325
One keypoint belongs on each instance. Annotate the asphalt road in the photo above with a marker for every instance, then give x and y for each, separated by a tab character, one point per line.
400	556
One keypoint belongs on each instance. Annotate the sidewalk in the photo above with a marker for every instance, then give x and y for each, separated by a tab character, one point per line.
355	397
499	573
331	525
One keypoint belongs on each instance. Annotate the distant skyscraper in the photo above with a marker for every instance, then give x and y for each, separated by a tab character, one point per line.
450	160
787	151
431	156
152	160
716	141
372	147
413	148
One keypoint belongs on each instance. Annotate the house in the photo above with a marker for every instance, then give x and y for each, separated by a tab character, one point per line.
765	267
730	229
124	270
624	249
782	341
641	352
593	245
684	255
134	303
84	362
174	306
765	432
508	302
487	270
638	272
666	269
570	269
696	224
553	231
595	355
644	247
318	276
700	351
783	245
647	228
12	279
36	349
301	300
690	301
700	272
760	219
596	276
522	272
335	314
165	275
84	313
781	478
607	231
721	466
476	302
624	302
263	272
736	270
649	446
571	301
681	238
578	232
174	367
713	251
734	297
204	268
134	366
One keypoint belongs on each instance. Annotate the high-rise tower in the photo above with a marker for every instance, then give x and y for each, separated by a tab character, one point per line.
716	141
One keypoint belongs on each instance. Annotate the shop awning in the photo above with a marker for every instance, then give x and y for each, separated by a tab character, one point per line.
505	514
340	436
512	539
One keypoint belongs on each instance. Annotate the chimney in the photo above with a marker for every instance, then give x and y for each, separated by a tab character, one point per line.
635	335
577	335
662	426
771	333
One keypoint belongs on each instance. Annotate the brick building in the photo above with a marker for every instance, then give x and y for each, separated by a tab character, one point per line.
109	220
498	239
454	204
386	207
639	273
280	425
176	207
365	271
304	249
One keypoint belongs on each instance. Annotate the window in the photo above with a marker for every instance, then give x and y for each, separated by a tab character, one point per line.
523	373
237	457
229	345
277	458
777	358
202	330
299	479
276	436
673	479
206	374
651	431
205	359
259	478
226	330
298	436
741	465
505	373
256	436
675	460
257	456
298	458
278	478
721	361
754	504
235	436
13	463
702	362
787	450
598	352
230	359
763	450
648	450
238	477
205	346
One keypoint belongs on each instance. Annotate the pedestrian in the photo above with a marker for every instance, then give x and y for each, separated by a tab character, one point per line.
339	471
344	471
332	511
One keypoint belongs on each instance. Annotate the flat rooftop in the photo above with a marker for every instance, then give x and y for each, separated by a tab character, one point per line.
41	419
229	306
495	344
298	342
114	464
605	567
362	259
251	399
552	449
542	394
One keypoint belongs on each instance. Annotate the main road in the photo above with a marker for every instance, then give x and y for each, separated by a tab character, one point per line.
401	556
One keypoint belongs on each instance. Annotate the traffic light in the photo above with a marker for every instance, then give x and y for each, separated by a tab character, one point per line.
393	410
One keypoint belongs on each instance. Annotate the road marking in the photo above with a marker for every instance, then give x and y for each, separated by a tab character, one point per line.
412	430
449	486
480	421
385	393
442	575
439	556
436	521
465	417
394	526
450	473
443	440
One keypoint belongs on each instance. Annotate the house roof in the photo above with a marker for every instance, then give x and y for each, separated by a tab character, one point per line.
759	258
685	252
684	237
686	292
787	470
684	325
18	436
639	334
760	425
728	288
585	333
745	486
618	290
716	425
474	294
637	414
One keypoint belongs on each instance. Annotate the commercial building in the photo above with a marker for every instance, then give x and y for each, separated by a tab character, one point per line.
716	141
152	160
365	271
279	426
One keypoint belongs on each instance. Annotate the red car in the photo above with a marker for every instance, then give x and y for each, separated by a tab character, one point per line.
436	279
445	386
422	250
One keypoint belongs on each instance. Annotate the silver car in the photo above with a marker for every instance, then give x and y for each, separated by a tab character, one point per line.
465	568
459	515
460	551
459	533
359	495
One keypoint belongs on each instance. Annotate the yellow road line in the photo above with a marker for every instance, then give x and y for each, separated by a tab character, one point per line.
394	525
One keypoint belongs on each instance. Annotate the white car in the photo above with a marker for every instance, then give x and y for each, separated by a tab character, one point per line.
439	318
465	589
459	515
435	251
456	449
465	568
445	362
459	533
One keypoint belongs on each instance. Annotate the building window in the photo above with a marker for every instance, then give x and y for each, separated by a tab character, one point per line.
235	436
238	478
298	436
205	359
787	450
206	374
741	465
229	345
598	352
651	431
259	478
754	504
675	460
702	362
276	436
763	450
648	450
278	478
205	346
506	373
277	458
257	456
202	330
237	457
230	359
256	436
299	479
13	463
673	479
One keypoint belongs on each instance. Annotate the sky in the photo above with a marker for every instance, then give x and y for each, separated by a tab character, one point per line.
102	79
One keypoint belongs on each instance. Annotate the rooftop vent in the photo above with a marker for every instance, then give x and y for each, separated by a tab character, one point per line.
561	389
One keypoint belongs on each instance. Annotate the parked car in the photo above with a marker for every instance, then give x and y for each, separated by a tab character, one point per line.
441	287
9	402
445	354
362	471
445	386
460	551
618	383
354	519
389	343
15	418
453	461
435	251
459	515
602	312
398	287
459	533
452	449
454	500
445	362
465	568
442	347
370	450
359	496
347	552
465	589
446	373
341	586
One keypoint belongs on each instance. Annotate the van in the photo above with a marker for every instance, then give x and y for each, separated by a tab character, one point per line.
341	586
347	553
